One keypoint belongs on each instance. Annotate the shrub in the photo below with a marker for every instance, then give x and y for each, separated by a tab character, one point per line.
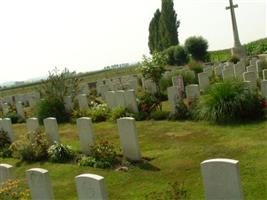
182	112
4	145
60	153
188	76
159	115
165	83
234	59
31	148
102	155
52	108
119	112
229	101
196	66
176	55
14	189
197	47
148	103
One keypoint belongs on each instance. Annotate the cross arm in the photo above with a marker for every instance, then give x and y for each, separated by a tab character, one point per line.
229	7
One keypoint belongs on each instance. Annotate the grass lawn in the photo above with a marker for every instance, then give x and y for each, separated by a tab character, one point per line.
176	150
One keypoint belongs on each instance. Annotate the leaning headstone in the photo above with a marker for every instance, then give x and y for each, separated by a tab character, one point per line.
85	133
111	99
221	179
7	127
68	103
90	187
203	80
5	172
83	103
51	129
130	101
173	98
192	92
20	110
32	125
264	89
252	77
39	184
128	138
120	99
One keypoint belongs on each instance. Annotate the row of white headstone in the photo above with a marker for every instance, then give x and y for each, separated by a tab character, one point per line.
89	186
221	178
126	128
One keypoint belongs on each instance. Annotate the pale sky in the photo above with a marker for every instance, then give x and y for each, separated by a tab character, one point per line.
86	35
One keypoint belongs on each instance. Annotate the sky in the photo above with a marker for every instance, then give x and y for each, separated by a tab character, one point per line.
87	35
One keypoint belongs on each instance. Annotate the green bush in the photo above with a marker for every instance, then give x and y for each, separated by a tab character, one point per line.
176	55
188	76
147	103
165	83
102	155
256	47
119	112
229	101
182	112
159	115
60	153
31	148
52	108
4	145
196	66
220	55
234	59
197	47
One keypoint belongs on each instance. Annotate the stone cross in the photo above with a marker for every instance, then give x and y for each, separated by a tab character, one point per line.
238	50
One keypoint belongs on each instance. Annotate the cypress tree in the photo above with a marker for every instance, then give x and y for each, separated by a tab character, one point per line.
168	25
154	36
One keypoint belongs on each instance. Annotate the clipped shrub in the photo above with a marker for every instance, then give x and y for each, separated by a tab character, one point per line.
229	101
102	155
60	153
176	55
52	108
31	148
119	112
197	47
159	115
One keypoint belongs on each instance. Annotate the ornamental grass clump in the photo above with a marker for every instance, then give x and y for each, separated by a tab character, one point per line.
229	101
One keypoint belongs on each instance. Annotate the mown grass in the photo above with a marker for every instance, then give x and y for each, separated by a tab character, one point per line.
176	150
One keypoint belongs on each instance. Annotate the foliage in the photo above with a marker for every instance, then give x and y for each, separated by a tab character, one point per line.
234	59
220	55
256	47
197	47
159	115
168	25
228	102
165	83
60	153
13	116
147	103
60	84
31	147
102	155
154	36
52	108
196	66
119	112
153	68
14	190
182	112
4	145
176	55
98	113
175	191
188	76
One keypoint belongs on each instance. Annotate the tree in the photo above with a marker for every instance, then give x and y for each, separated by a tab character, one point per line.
176	55
197	47
168	25
154	37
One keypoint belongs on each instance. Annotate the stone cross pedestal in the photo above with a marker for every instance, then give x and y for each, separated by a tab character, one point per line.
238	50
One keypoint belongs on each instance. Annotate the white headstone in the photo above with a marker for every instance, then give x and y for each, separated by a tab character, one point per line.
83	103
252	77
228	73
85	133
90	187
218	70
5	172
7	127
221	179
128	138
264	74
251	68
208	70
130	101
120	99
239	69
264	89
203	80
111	99
51	129
39	184
20	110
173	98
32	125
68	103
192	91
